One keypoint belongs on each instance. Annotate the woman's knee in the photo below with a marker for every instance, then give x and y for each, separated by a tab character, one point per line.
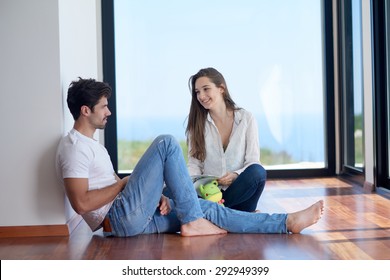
257	171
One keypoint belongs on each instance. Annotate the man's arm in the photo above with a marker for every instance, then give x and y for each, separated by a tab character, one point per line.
83	200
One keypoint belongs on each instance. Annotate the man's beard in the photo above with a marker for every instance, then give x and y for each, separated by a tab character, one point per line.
103	126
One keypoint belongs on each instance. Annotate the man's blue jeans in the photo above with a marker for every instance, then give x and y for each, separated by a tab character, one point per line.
135	211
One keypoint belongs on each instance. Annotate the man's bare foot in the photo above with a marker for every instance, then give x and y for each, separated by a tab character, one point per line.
200	227
300	220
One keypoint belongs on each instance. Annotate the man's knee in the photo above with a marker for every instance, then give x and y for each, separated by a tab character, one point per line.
166	138
169	142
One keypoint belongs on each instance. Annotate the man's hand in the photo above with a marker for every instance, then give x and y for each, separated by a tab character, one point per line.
164	205
122	181
227	179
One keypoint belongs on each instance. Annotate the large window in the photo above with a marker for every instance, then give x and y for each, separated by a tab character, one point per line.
273	57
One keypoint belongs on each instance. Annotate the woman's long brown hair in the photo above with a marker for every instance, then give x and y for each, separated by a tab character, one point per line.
198	114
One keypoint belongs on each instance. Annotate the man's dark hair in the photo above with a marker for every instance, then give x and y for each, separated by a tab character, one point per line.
86	92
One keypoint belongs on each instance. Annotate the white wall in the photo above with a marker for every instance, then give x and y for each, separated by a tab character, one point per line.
44	45
80	52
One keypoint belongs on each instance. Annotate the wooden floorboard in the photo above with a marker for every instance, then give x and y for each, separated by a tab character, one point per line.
355	226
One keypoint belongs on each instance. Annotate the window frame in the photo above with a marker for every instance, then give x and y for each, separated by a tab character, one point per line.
346	89
381	95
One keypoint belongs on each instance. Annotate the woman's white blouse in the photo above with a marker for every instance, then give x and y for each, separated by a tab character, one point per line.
243	148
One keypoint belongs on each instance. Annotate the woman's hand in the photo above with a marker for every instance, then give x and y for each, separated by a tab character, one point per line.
227	179
164	205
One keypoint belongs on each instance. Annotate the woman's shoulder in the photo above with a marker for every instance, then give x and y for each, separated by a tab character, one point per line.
244	114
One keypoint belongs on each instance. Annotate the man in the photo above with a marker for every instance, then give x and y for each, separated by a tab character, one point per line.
135	204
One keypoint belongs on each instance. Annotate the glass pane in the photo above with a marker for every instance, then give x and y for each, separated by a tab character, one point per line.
270	53
358	82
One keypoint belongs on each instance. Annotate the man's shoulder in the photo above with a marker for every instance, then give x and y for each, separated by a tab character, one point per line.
73	157
72	145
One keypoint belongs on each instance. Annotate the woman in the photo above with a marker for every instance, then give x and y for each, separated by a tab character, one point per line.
223	141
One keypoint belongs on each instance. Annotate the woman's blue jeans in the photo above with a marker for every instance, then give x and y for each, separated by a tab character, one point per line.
244	193
135	211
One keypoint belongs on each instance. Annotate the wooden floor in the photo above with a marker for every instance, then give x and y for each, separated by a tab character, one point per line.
355	225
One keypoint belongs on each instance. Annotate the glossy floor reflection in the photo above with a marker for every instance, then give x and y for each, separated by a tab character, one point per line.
355	226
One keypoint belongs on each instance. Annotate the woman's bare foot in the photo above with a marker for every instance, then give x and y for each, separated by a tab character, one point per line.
300	220
200	227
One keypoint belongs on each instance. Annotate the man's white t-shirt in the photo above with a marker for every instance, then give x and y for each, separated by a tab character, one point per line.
79	156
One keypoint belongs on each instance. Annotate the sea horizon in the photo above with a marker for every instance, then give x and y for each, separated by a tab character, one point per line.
302	137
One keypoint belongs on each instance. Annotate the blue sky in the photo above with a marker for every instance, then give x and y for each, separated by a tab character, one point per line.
256	45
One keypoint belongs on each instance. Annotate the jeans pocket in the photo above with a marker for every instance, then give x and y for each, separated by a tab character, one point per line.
135	222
